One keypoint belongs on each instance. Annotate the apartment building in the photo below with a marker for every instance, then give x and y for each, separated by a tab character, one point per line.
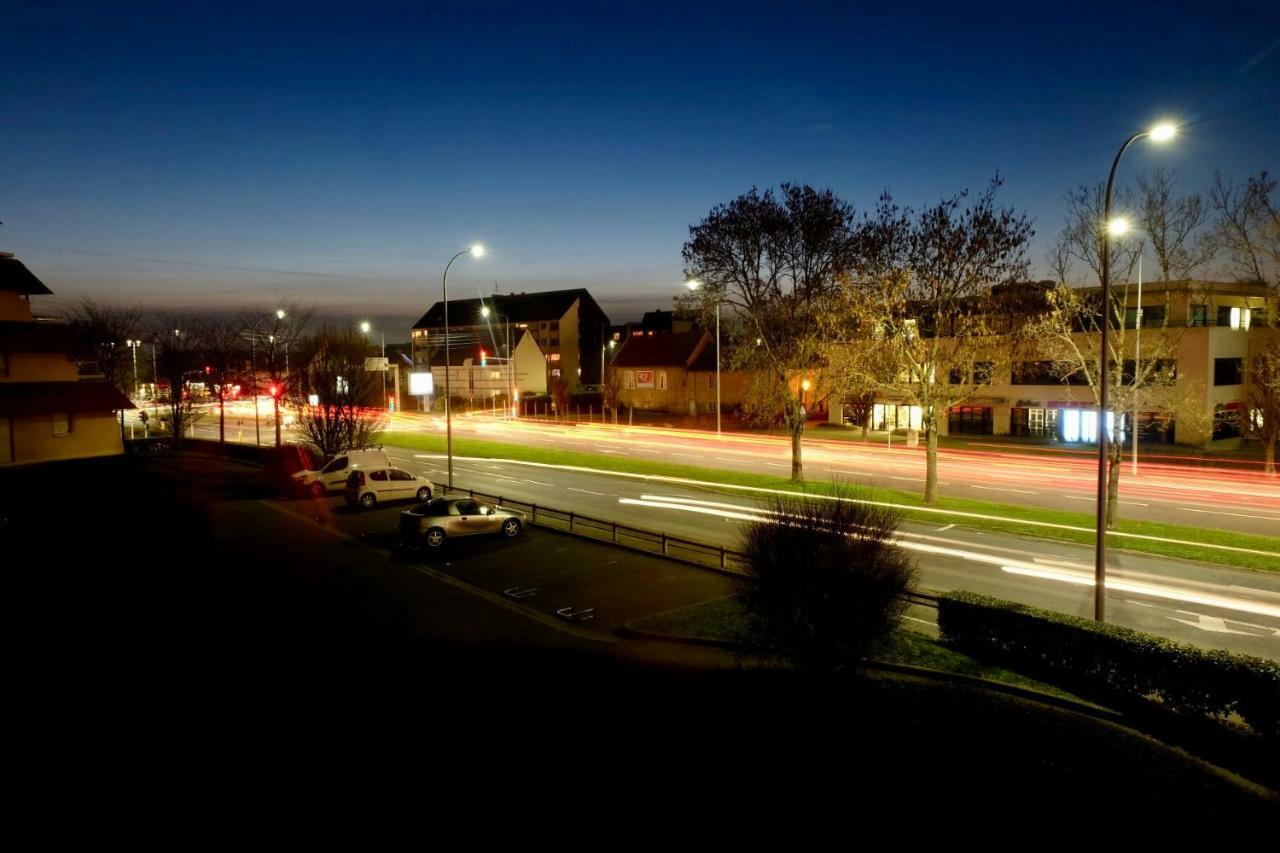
1203	335
49	408
568	327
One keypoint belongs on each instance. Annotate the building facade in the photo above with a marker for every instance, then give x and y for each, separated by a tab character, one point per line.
1203	336
674	373
48	409
567	326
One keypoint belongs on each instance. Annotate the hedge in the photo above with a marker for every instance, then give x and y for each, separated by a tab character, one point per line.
1118	660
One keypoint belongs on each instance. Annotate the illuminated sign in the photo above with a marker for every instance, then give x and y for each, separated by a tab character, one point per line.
421	383
644	378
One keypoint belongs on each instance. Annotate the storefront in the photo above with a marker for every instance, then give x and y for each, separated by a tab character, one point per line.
892	416
969	420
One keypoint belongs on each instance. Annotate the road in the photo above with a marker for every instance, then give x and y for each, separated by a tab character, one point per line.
1242	501
1209	606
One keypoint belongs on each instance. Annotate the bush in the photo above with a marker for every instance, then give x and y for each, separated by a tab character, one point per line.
1118	660
823	582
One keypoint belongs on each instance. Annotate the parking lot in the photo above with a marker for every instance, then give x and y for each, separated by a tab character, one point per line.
588	583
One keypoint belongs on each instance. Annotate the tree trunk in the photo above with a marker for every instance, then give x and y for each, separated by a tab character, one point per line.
275	403
1269	457
1114	461
222	416
797	466
866	427
931	465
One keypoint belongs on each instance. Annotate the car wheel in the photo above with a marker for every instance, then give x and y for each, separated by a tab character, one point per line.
368	499
511	528
435	537
318	490
424	494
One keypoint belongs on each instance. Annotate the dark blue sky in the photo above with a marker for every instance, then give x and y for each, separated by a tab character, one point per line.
177	152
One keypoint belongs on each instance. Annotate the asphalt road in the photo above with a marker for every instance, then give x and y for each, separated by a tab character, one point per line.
1209	606
1216	498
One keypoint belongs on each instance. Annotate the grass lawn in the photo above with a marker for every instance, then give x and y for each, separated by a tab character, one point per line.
724	620
1192	543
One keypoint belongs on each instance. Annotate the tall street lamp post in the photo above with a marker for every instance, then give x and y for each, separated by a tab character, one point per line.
694	285
133	348
475	251
364	327
1159	133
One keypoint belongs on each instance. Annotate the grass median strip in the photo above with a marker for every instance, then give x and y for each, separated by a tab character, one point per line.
1172	540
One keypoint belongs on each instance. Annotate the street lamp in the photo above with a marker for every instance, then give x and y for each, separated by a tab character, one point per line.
1160	133
476	251
1118	227
485	311
133	347
365	327
694	284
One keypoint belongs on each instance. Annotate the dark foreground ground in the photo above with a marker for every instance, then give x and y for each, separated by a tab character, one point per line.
170	611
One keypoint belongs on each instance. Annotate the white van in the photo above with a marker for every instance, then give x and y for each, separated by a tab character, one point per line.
332	476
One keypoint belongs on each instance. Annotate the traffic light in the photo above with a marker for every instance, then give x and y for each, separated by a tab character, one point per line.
482	357
273	390
207	370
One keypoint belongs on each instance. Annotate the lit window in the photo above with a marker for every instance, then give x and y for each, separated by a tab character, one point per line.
62	424
554	356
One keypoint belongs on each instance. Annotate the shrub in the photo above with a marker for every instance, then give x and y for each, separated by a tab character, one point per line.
823	580
1119	660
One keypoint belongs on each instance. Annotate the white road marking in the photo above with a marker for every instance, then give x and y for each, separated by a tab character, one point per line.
1212	624
586	491
1000	489
539	483
944	529
1236	514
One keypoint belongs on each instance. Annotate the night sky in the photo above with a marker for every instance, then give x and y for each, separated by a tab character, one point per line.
183	155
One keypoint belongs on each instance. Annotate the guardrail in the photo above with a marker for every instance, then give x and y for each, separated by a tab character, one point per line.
699	554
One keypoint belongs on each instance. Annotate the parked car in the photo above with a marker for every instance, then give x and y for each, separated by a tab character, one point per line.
332	476
436	521
368	486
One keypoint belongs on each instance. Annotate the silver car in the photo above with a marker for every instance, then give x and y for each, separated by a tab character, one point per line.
441	519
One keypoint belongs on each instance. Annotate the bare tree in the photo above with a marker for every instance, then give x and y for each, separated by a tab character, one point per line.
1247	226
1067	333
179	342
276	335
104	328
611	390
226	351
1174	225
332	369
1081	236
924	298
774	261
558	389
1264	397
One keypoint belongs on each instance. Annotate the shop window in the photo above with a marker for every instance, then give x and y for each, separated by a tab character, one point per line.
1228	371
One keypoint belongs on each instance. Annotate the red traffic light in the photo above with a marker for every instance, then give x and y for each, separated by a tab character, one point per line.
482	357
207	370
273	390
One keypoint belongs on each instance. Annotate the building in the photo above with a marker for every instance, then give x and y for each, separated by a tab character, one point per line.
49	410
674	373
485	383
1203	333
567	326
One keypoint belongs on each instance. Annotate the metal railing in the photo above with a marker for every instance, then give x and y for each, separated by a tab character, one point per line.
689	551
715	557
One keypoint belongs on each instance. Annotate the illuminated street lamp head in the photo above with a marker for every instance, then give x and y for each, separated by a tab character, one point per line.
806	385
477	251
364	327
693	284
1163	132
1118	226
280	315
484	311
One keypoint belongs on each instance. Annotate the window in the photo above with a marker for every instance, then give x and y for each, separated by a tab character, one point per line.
1153	316
555	372
553	356
62	424
662	380
711	408
629	380
1228	371
336	465
402	476
378	476
711	382
1257	317
1224	315
467	508
555	325
982	371
1199	315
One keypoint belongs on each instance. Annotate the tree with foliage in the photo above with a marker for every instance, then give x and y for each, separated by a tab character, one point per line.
924	302
824	581
558	389
774	260
331	366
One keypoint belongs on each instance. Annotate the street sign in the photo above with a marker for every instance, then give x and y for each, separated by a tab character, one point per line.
377	363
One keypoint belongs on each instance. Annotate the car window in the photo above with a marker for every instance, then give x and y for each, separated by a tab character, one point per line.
468	508
336	465
380	476
397	474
